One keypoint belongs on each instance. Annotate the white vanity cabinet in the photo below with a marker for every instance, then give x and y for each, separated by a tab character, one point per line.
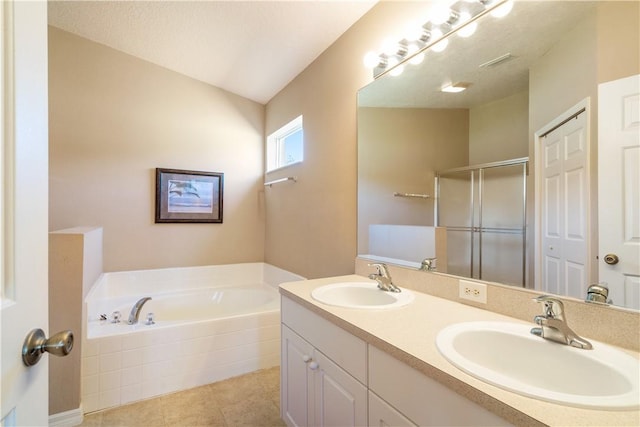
332	378
323	371
423	400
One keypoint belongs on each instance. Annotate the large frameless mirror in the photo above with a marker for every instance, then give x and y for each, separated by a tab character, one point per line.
467	176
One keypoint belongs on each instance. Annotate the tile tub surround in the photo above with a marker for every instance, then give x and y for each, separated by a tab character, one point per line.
121	369
145	361
408	333
616	326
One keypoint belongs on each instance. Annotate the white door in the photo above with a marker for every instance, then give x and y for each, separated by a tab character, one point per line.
619	189
564	207
23	208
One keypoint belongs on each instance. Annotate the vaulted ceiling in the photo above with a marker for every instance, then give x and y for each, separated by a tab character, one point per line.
250	48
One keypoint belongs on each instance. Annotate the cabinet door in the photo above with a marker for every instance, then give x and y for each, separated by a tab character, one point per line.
381	414
296	388
340	400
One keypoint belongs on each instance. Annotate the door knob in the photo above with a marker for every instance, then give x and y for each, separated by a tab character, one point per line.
611	259
37	343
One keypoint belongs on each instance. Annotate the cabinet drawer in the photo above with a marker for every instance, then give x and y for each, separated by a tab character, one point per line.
383	414
422	399
346	350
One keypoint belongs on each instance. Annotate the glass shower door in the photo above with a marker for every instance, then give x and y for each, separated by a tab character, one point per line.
502	219
483	210
456	213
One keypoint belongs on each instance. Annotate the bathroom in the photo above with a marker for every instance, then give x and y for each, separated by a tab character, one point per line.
102	158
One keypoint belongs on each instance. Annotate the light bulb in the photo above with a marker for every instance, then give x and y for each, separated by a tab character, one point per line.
417	59
502	10
440	14
371	60
442	44
412	51
468	29
397	71
413	32
389	46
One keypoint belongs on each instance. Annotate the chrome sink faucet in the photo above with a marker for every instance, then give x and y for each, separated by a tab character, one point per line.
553	325
383	278
428	264
135	311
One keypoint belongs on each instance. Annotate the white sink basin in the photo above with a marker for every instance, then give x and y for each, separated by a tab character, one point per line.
508	356
360	295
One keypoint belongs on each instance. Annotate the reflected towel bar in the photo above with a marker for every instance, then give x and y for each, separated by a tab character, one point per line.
419	196
277	181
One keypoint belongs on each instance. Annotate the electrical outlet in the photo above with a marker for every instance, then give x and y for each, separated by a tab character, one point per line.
473	291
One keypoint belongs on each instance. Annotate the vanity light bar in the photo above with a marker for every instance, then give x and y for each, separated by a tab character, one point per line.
462	14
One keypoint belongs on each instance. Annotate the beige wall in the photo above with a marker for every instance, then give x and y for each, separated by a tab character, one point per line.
311	225
422	141
75	262
114	119
618	40
498	130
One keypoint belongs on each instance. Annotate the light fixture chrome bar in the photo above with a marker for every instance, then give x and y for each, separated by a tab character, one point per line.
278	181
419	196
489	6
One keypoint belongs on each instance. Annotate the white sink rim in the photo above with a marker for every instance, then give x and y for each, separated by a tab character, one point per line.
622	363
397	299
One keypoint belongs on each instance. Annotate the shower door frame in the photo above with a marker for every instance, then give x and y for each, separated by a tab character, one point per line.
480	168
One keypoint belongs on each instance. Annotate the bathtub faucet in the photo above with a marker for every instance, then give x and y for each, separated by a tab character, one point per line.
135	311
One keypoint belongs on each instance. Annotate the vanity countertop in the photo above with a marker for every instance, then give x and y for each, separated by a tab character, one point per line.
409	333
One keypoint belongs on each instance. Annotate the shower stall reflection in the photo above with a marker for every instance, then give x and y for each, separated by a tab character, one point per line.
483	209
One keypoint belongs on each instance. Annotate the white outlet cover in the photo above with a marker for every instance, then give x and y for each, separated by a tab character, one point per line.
477	292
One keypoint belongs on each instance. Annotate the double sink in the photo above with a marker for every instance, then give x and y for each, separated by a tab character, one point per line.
507	355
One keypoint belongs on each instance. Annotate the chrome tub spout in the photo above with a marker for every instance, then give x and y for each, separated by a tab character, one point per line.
135	311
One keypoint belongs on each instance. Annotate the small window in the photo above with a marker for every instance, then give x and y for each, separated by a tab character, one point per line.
286	145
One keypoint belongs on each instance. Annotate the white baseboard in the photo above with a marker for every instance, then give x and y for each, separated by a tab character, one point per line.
66	419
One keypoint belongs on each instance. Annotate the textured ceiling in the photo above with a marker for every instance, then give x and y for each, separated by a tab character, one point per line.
250	48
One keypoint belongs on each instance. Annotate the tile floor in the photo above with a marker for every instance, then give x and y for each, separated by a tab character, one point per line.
248	400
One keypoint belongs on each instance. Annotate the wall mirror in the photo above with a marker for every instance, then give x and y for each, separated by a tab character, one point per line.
459	176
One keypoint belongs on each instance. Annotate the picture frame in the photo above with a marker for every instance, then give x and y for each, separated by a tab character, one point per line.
186	196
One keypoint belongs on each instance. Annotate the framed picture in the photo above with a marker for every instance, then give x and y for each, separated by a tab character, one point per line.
188	196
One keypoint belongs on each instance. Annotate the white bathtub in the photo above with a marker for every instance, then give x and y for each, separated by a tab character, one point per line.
211	323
